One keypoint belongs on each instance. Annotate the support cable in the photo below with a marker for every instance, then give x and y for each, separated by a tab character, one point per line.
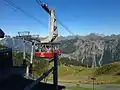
58	20
24	12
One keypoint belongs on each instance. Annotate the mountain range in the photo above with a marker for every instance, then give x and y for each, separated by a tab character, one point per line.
93	49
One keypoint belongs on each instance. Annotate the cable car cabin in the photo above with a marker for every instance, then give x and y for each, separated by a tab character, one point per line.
47	50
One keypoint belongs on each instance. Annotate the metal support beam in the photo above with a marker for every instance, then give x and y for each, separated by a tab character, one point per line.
29	87
24	49
55	72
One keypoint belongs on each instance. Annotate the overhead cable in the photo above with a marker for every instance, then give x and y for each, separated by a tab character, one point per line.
27	14
58	20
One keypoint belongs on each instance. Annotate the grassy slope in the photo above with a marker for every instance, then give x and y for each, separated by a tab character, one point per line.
109	73
73	73
109	69
83	75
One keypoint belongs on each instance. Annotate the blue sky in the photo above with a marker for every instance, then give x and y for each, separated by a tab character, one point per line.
81	16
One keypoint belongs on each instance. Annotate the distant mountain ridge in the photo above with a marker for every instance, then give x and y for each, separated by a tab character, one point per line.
93	49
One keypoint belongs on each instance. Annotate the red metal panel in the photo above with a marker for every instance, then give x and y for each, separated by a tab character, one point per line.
44	54
48	54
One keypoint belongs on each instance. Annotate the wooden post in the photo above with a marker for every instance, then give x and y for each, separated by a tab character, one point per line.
93	78
55	71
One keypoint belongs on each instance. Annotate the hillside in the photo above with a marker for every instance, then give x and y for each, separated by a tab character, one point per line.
111	69
104	75
109	73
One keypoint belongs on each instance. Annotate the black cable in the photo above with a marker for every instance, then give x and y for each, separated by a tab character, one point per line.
66	28
39	1
7	5
30	16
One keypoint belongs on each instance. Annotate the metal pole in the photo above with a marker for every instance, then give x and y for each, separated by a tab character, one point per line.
24	53
31	58
31	85
55	71
27	71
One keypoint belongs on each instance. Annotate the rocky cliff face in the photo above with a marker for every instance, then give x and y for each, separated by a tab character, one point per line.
93	50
